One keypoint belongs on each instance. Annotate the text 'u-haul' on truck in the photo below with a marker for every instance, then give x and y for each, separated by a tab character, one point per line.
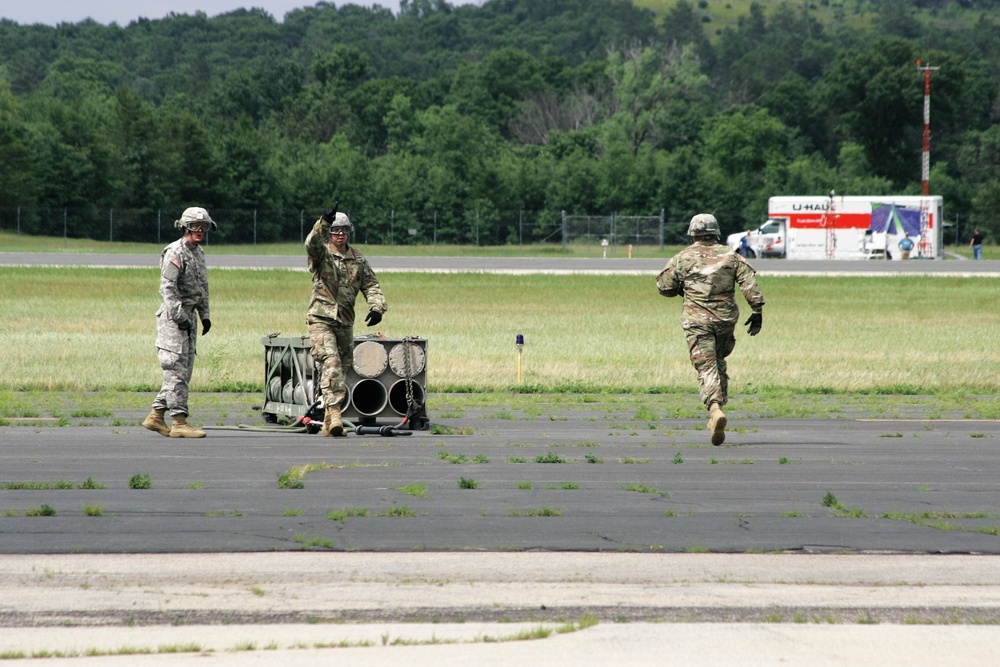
856	227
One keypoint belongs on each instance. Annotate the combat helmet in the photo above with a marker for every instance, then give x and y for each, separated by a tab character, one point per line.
194	215
704	224
341	221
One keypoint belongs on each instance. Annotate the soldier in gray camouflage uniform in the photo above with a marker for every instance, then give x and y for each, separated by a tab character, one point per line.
706	274
339	273
184	288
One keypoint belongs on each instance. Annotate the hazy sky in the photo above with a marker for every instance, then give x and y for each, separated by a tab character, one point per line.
122	12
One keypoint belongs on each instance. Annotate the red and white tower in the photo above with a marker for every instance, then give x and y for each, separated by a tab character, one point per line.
925	162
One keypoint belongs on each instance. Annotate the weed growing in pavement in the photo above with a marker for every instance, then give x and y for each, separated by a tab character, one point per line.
438	429
467	483
341	515
644	414
523	486
44	510
93	510
639	488
398	511
40	486
462	458
542	511
417	489
140	481
288	480
307	541
549	458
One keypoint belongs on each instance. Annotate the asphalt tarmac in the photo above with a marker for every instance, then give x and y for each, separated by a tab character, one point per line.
838	541
583	477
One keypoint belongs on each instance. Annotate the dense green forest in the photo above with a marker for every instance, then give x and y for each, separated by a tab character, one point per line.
463	122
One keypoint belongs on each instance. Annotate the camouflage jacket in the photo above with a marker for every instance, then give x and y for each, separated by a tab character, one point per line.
338	277
706	274
184	288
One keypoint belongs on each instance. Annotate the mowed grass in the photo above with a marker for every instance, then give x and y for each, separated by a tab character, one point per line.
80	329
12	242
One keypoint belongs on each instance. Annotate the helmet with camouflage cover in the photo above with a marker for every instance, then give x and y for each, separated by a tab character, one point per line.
341	221
193	216
704	224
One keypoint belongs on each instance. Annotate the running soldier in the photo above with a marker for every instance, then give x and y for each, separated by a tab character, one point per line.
706	274
184	288
339	272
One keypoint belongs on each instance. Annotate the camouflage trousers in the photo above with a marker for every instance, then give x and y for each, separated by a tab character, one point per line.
333	349
177	368
709	345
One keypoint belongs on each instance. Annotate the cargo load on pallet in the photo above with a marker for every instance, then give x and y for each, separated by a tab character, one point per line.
385	383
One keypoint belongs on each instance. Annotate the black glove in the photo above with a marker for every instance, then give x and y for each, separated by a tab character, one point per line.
373	317
205	326
331	213
184	325
755	322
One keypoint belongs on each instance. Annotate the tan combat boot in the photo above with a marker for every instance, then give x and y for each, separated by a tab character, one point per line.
332	423
154	422
717	424
181	429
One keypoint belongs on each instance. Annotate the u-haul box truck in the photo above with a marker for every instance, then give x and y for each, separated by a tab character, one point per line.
857	227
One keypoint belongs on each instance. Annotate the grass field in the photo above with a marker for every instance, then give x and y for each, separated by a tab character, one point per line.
77	330
12	242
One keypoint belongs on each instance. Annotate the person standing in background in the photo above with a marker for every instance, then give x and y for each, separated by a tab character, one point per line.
976	243
905	246
184	289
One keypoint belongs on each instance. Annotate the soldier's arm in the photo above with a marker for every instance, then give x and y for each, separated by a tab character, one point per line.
171	267
317	240
372	290
203	310
746	278
668	282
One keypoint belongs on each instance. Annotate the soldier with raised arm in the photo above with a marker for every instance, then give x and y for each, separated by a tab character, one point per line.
339	273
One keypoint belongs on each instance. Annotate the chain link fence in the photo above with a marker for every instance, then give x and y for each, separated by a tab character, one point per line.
486	227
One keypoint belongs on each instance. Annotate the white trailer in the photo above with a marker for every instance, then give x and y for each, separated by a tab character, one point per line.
857	227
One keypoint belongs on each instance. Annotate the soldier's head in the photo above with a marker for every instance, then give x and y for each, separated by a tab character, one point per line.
704	226
196	223
340	229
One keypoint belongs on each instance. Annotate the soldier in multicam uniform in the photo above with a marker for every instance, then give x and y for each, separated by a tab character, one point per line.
339	273
705	274
184	288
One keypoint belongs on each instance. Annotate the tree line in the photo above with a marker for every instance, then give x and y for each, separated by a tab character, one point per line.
586	106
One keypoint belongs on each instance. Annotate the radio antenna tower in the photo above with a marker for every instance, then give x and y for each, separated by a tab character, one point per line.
925	154
924	243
